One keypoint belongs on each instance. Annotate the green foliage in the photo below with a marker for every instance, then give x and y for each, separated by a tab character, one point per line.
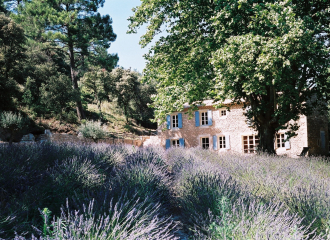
74	27
57	95
132	96
273	55
93	130
12	123
11	56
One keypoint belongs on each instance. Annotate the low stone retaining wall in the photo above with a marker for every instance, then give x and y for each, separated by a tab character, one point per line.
64	137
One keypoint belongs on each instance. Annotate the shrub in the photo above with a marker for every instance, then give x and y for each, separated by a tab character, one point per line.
252	220
129	220
12	123
92	130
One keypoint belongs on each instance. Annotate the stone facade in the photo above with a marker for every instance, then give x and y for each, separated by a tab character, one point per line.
229	132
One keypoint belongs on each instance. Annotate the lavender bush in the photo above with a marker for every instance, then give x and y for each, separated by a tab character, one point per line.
123	192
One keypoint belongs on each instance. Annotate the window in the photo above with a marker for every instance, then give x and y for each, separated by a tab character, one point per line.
176	143
175	121
204	118
280	142
250	143
223	113
222	142
205	142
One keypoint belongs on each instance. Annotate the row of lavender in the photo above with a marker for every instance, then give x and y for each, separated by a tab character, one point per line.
75	191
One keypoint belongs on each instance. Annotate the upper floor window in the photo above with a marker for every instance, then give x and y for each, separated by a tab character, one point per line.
203	118
174	121
223	113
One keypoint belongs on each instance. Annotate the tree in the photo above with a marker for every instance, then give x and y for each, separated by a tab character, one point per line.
57	95
75	26
95	82
273	55
12	40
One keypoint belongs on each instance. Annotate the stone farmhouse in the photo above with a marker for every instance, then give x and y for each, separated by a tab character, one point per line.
226	130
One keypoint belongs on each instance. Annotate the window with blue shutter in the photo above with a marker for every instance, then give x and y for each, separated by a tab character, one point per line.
168	143
180	120
209	117
181	140
168	120
215	142
197	118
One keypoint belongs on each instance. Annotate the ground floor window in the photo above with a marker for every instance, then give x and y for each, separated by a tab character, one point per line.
250	143
222	142
280	142
205	142
176	143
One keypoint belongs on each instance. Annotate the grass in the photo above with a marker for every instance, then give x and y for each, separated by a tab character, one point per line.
74	191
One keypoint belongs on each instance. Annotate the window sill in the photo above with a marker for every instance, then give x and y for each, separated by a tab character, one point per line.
204	126
175	129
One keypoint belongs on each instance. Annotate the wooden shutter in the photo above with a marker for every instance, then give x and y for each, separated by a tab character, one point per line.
180	120
181	142
197	118
227	141
168	120
168	143
287	142
209	117
215	142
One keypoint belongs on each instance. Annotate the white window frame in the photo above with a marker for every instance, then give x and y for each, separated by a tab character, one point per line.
221	110
175	117
223	142
206	121
175	142
254	144
280	141
201	141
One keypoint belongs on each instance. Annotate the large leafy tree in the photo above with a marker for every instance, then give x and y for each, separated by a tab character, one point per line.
76	27
95	82
12	55
273	55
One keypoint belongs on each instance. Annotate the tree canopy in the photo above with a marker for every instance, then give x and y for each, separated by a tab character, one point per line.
76	28
273	55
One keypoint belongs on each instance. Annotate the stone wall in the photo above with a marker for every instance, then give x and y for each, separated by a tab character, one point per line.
64	137
233	125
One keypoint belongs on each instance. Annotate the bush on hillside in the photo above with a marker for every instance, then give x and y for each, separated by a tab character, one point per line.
12	123
92	130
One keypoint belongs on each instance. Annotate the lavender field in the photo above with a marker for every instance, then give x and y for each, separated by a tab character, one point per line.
70	191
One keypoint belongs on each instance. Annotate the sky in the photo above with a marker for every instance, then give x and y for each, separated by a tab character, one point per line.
126	45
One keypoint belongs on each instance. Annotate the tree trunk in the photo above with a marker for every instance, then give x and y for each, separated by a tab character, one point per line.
80	110
98	102
266	139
